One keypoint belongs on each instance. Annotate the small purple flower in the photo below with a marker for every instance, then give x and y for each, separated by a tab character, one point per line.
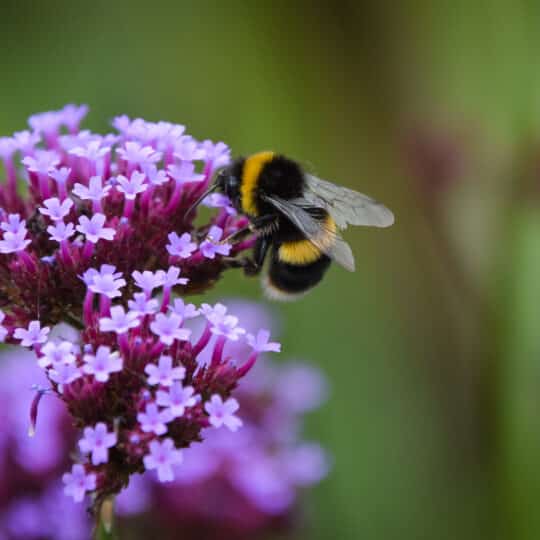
43	162
33	335
153	420
97	441
95	191
176	399
68	142
56	209
156	176
62	374
7	147
14	224
106	281
218	154
163	455
186	311
61	231
211	246
135	153
46	122
171	277
222	413
184	173
141	305
26	140
188	149
119	321
92	151
121	123
72	115
260	343
3	330
168	328
148	281
102	364
227	326
181	246
56	353
214	313
132	187
218	200
60	176
78	482
12	243
164	374
94	229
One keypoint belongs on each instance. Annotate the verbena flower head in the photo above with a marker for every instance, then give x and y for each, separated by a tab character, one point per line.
101	233
116	199
253	475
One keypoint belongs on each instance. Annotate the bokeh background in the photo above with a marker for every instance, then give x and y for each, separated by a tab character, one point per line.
432	347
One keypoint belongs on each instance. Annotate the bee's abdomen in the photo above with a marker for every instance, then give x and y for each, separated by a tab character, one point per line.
286	281
297	250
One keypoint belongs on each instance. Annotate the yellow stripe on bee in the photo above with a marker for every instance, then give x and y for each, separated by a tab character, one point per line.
303	252
250	176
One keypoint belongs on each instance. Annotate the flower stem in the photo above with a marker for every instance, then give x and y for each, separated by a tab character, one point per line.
104	524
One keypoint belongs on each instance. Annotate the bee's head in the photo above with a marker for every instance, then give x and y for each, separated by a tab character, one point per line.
228	182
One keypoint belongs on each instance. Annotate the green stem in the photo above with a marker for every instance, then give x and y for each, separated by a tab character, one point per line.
102	534
104	523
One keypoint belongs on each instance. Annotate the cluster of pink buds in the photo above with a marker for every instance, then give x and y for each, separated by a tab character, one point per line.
102	239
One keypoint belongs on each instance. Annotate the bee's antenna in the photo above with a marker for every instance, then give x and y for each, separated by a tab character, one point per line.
211	189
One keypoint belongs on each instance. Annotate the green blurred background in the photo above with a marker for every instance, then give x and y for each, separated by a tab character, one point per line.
433	346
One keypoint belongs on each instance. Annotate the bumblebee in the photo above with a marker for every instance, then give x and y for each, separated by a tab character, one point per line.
296	217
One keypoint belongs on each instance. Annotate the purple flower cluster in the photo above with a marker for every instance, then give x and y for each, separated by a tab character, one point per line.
102	240
239	486
142	383
118	199
252	476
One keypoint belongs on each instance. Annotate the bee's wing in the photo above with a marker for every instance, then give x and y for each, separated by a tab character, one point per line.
326	240
346	206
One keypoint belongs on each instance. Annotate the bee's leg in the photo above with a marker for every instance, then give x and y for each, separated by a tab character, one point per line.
246	263
251	266
262	225
237	236
260	250
265	224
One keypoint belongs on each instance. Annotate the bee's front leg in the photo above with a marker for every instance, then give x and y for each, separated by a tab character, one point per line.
262	225
252	266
